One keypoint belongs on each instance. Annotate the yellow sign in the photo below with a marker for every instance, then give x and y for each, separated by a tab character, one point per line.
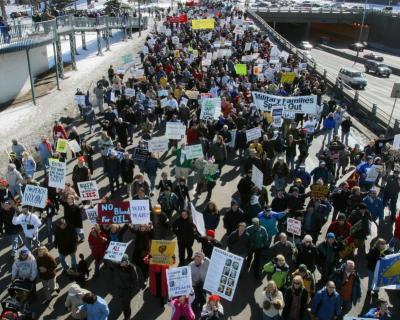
191	94
319	191
162	252
241	69
54	159
177	54
288	77
62	146
203	24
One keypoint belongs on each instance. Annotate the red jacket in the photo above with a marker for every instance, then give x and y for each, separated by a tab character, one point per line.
192	136
97	244
340	232
59	132
153	269
397	227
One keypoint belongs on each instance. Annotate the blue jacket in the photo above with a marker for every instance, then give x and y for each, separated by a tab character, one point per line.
151	165
371	314
375	206
362	170
96	311
269	222
337	277
329	123
326	307
303	175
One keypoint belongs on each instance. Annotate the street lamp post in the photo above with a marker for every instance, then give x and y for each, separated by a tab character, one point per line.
140	24
361	29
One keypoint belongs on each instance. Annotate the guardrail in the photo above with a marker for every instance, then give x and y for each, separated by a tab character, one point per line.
370	113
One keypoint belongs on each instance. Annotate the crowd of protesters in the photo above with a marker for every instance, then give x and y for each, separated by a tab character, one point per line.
312	276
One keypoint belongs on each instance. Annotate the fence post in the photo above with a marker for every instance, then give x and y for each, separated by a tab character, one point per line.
31	78
72	49
99	52
60	62
374	108
83	40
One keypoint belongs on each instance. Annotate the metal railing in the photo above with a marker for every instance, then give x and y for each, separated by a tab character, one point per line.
351	96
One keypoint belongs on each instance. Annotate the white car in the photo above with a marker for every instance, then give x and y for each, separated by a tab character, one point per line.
352	77
305	45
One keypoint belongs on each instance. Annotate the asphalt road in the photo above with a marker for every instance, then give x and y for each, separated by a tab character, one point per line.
378	89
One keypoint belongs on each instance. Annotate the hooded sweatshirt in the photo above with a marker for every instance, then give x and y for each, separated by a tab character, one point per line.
24	269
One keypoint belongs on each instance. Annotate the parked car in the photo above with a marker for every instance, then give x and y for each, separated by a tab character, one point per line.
373	56
380	69
352	77
357	47
305	45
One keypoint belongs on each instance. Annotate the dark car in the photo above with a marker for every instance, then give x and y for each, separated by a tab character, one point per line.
357	47
373	56
380	69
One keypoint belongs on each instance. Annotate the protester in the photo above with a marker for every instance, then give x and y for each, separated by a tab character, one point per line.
47	272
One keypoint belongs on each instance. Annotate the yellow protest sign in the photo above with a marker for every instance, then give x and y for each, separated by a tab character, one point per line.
191	94
241	69
319	191
62	146
200	24
54	159
162	252
288	77
177	54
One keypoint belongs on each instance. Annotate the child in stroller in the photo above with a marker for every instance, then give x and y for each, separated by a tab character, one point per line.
18	305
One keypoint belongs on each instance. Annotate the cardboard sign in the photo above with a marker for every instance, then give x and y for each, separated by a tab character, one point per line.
253	134
296	104
293	226
162	93
162	252
257	177
79	99
140	211
241	69
192	95
179	281
114	212
201	24
34	196
91	215
223	273
130	92
319	191
88	190
175	130
74	146
158	145
373	173
288	77
194	151
210	108
62	146
57	173
115	251
198	220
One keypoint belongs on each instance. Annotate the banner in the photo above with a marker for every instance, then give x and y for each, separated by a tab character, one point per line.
293	226
34	196
296	104
162	252
179	281
257	177
158	145
175	130
200	24
57	173
253	134
140	211
162	93
74	146
210	108
62	146
88	190
319	191
91	215
198	220
113	212
223	273
115	251
178	19
130	92
241	69
387	272
194	151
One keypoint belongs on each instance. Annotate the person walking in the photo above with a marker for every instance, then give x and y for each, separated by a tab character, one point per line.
74	300
183	227
47	265
326	303
258	242
98	245
95	307
66	242
7	228
30	224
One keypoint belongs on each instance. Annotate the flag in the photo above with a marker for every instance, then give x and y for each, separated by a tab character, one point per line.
387	272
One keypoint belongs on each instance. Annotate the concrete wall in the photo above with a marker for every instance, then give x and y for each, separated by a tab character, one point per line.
384	31
14	68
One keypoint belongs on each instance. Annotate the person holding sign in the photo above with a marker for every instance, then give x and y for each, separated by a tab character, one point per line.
182	307
30	224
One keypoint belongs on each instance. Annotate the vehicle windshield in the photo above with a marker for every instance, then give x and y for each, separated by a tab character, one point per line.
382	65
356	74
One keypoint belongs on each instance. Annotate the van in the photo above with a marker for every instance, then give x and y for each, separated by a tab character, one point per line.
353	78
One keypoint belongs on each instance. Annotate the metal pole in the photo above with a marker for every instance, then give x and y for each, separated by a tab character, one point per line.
361	30
56	66
140	25
31	78
391	115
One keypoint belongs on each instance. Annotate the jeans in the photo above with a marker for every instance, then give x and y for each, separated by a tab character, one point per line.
15	240
328	133
49	229
371	285
280	183
49	287
345	138
45	163
15	190
346	307
64	264
152	182
390	200
30	242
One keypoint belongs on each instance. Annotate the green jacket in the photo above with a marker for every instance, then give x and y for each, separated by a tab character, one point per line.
276	273
179	157
258	237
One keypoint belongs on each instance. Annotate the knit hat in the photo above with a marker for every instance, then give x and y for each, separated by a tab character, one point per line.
214	297
302	268
74	290
330	235
125	258
211	233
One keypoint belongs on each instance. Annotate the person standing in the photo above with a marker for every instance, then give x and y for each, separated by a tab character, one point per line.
24	267
74	300
73	216
272	303
66	242
47	265
391	192
233	217
184	228
95	307
346	125
258	241
45	151
151	165
296	299
329	125
80	173
113	171
199	268
14	178
127	171
377	252
239	241
98	245
29	164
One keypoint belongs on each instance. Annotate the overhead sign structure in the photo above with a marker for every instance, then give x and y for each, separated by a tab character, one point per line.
296	104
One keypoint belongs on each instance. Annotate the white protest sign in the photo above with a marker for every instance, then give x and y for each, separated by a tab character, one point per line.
210	108
296	104
396	142
257	177
198	220
223	273
88	190
373	173
194	151
79	99
57	173
91	215
140	211
288	115
162	93
115	251
34	196
130	92
277	116
247	46
293	226
158	145
175	40
164	102
253	134
74	146
179	281
175	130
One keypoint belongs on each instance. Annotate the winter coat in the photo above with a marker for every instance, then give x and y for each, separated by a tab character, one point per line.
126	283
272	311
239	245
218	151
183	228
324	306
207	246
375	207
232	218
98	244
277	273
286	249
288	298
329	123
14	177
151	165
337	277
96	311
184	310
24	269
29	166
28	219
258	237
127	166
6	225
48	262
307	254
114	168
211	219
269	222
104	145
65	240
73	215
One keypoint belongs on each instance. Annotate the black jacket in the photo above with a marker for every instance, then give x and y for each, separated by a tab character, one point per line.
6	224
73	215
65	240
307	255
183	228
239	245
288	298
232	219
127	166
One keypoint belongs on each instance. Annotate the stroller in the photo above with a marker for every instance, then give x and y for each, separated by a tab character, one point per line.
17	306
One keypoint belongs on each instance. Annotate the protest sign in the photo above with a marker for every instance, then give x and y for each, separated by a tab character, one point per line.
194	151
387	272
206	62
119	154
199	24
79	99
120	70
296	104
175	40
113	212
396	142
130	92
158	145
115	251
253	134
57	173
288	77
319	191
91	215
257	177
162	93
127	58
293	226
198	220
179	281
247	46
192	95
162	252
210	108
34	196
183	101
140	211
288	115
164	102
62	145
241	69
223	273
88	190
373	173
175	130
74	146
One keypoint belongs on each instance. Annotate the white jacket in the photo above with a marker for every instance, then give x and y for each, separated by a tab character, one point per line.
24	220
